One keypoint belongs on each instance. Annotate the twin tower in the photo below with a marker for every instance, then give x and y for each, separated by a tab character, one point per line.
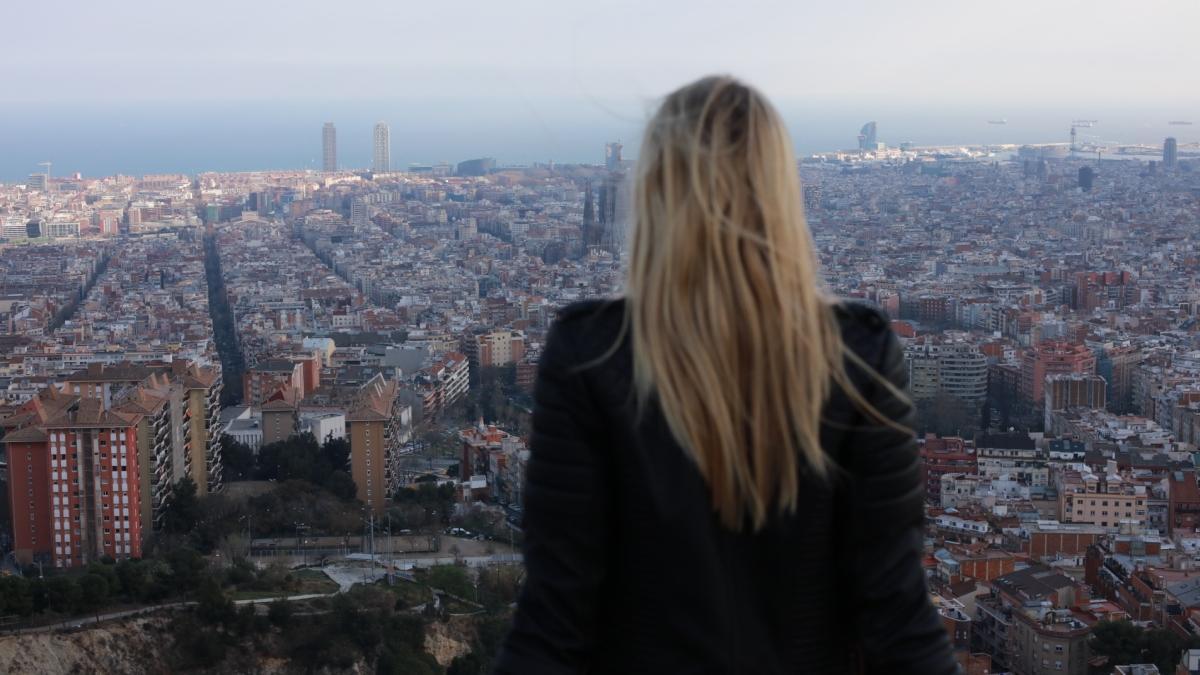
381	159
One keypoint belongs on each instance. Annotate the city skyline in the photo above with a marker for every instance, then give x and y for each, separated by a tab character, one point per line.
260	141
279	401
207	330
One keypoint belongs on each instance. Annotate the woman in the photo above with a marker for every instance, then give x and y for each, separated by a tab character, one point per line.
722	477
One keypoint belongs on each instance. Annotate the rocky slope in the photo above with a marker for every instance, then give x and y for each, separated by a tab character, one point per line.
132	646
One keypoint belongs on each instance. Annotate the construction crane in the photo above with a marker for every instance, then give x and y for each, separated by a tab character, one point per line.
1086	124
47	165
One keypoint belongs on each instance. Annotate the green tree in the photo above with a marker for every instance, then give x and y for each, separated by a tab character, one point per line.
404	660
160	580
1120	641
1124	643
452	579
237	459
212	605
131	575
341	484
196	646
187	567
109	572
63	594
183	512
335	454
94	591
16	596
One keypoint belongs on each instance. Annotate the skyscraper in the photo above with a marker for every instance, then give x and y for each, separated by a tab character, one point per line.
866	137
589	232
1086	177
1170	153
613	212
382	161
329	147
612	156
358	212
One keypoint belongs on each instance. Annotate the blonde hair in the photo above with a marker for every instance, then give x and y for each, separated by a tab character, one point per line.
732	332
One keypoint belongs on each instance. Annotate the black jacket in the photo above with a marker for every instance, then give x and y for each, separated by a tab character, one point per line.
629	570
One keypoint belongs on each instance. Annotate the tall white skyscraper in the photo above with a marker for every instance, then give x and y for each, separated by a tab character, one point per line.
329	147
383	148
612	156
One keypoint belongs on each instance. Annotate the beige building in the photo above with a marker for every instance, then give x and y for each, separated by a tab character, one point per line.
378	427
500	348
1049	641
1106	500
279	417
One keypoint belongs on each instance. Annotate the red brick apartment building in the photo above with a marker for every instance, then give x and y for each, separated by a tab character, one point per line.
1049	358
75	482
940	456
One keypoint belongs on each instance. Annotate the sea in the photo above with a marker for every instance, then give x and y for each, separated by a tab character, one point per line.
139	138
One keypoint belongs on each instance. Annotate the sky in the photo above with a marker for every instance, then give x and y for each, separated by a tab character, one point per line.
556	70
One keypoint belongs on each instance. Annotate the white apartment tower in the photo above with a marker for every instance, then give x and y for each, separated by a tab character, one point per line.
382	160
947	365
328	147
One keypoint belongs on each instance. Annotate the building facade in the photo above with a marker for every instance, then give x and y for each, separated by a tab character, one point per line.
500	348
381	159
1051	357
1106	500
378	426
328	147
947	366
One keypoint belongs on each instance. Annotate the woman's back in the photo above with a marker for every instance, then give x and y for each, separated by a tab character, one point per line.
630	570
722	476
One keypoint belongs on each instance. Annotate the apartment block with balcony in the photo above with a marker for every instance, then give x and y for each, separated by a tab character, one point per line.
947	365
378	425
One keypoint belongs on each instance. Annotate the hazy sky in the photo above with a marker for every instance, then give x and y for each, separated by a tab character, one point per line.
141	86
612	55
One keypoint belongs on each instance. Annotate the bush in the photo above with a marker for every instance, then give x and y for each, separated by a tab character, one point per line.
280	613
452	579
212	605
16	596
93	591
403	660
195	645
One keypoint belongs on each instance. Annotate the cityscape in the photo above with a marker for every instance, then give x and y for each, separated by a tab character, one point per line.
275	393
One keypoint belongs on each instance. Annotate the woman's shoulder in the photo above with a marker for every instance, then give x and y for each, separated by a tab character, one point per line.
866	330
592	310
588	326
588	316
591	327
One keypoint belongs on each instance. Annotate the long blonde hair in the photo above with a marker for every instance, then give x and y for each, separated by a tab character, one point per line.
732	332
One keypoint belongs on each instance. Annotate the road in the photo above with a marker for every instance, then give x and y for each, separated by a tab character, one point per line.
345	575
82	621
